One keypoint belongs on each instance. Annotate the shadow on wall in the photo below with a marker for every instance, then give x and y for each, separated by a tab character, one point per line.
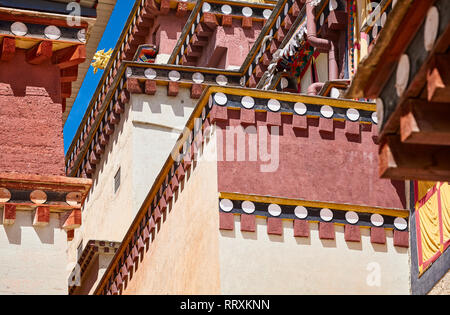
40	80
24	221
261	227
155	103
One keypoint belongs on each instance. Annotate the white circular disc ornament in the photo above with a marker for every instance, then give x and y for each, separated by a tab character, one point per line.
5	195
334	93
326	111
332	5
248	207
206	7
248	102
246	11
129	72
352	114
210	101
375	117
374	31
221	79
284	83
174	75
81	35
220	98
203	113
198	78
301	212
267	13
226	9
300	108
52	32
431	28
400	224
278	22
402	75
226	205
326	214
383	19
380	109
376	219
274	210
38	196
274	105
351	217
150	73
322	18
19	29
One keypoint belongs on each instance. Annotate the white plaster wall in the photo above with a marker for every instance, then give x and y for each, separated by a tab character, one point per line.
256	263
305	81
158	120
107	215
184	256
322	67
139	145
32	259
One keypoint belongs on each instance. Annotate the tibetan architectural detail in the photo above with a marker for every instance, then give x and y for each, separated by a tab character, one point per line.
230	148
301	213
88	264
411	90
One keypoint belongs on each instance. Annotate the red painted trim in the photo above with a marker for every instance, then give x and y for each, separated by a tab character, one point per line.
441	229
427	263
428	195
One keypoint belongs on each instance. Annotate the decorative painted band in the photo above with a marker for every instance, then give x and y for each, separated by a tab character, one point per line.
221	7
42	32
364	115
314	214
191	75
39	197
238	9
88	9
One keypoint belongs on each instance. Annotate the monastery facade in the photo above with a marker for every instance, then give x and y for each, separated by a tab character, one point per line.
231	147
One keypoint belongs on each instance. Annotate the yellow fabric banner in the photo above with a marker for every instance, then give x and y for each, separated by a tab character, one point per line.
429	228
423	187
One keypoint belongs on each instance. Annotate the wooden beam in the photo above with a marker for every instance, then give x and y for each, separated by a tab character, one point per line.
422	122
438	79
7	48
70	56
40	52
406	28
405	161
69	74
66	89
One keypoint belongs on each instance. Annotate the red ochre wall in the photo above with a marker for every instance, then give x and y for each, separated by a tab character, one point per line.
313	166
31	137
228	46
